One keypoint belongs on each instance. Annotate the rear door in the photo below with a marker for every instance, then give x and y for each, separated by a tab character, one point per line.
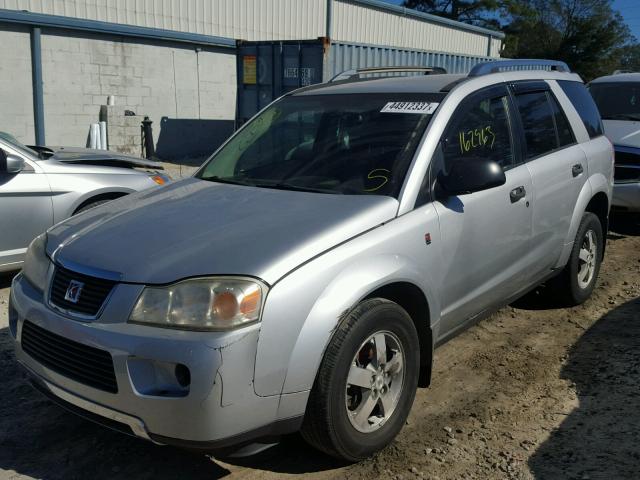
558	169
485	235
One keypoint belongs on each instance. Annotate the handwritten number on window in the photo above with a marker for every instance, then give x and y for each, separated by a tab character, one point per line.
477	138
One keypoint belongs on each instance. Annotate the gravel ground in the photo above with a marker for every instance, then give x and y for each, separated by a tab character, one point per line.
535	391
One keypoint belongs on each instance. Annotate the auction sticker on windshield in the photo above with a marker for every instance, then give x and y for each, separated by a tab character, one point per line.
423	108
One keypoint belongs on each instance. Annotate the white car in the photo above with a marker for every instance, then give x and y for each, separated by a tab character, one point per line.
42	186
618	99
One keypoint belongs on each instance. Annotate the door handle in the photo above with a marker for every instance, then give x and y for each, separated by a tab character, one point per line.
517	193
577	169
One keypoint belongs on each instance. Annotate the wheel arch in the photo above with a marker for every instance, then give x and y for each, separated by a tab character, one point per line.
96	196
599	206
413	300
595	192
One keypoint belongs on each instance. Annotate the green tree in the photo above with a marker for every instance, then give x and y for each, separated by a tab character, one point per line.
587	34
476	12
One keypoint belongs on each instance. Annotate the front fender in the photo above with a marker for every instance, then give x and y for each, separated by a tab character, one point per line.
303	310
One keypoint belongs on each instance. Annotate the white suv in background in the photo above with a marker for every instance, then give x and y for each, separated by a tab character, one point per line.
618	99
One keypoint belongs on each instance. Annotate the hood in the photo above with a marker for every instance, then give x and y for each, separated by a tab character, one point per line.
101	157
197	228
623	132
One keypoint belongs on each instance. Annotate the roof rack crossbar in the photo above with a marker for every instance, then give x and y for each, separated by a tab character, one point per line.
519	64
358	72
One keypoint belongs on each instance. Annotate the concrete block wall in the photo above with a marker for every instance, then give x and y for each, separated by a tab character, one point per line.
176	85
155	79
16	112
123	131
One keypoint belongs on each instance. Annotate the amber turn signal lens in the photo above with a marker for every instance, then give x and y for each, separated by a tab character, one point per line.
250	302
225	305
158	179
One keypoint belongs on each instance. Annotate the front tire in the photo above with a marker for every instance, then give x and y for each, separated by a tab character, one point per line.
366	383
579	277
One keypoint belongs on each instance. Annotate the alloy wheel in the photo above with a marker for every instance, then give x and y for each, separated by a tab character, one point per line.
374	383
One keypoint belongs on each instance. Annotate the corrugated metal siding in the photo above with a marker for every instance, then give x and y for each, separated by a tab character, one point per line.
357	23
353	21
238	19
345	56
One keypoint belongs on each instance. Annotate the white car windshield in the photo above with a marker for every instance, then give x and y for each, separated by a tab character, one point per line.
13	142
617	101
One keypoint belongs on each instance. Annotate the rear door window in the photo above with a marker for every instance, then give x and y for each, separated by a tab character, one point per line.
584	105
538	123
545	125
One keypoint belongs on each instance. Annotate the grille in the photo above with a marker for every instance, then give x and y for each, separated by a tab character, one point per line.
88	365
92	296
627	174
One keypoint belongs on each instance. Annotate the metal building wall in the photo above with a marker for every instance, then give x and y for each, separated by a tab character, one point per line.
240	19
345	56
353	21
356	21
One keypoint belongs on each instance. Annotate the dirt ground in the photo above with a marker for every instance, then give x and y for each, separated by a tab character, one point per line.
536	391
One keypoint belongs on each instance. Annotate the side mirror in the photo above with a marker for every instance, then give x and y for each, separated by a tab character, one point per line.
10	164
471	174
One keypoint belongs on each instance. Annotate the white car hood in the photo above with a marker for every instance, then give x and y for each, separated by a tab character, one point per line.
623	132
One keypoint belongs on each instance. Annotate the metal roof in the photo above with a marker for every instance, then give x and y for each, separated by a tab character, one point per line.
95	26
410	12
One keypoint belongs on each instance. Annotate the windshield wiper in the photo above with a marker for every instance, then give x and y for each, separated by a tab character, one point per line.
297	188
230	181
623	116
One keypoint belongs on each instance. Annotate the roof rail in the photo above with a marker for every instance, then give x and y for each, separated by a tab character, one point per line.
520	64
358	72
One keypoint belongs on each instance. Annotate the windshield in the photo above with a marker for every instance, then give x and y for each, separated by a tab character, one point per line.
617	101
11	140
349	144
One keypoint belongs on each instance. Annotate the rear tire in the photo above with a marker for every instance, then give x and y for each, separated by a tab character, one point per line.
362	395
578	279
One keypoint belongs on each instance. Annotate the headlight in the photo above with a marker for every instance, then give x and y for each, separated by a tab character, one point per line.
36	263
201	304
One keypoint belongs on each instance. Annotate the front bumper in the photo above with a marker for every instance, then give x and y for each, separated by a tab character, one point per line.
218	408
626	197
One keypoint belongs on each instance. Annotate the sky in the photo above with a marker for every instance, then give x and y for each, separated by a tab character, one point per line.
630	10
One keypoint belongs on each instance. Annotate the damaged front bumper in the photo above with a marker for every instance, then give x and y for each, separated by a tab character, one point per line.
178	387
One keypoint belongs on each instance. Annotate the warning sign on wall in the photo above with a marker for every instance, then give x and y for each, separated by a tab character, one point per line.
249	69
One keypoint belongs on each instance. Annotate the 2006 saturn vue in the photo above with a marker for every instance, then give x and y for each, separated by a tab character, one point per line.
303	277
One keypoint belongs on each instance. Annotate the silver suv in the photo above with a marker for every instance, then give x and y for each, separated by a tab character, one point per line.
303	277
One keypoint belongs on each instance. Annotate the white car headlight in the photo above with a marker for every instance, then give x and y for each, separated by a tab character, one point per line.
220	303
36	263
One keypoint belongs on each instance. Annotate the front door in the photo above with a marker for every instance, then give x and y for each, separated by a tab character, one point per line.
25	212
485	235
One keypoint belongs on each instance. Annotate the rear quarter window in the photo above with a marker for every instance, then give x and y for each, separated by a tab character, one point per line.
585	106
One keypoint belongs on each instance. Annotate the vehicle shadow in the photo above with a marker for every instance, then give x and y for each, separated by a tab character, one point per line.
600	438
624	225
5	279
42	440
